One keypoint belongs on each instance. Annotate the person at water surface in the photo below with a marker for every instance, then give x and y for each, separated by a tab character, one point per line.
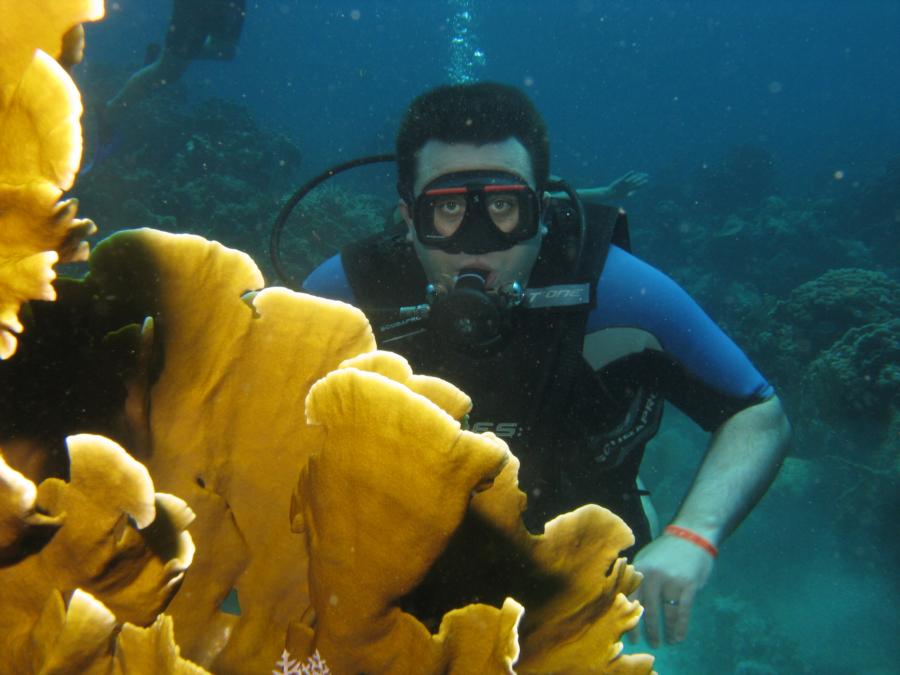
500	280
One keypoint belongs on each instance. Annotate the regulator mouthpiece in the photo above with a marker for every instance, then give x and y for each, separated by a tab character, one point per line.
467	315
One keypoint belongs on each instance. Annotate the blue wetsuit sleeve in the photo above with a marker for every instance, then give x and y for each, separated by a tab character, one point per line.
329	280
699	361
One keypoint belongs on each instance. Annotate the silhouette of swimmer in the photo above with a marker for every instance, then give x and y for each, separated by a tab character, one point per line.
198	30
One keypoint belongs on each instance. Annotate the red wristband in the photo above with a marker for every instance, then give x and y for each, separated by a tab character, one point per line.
693	537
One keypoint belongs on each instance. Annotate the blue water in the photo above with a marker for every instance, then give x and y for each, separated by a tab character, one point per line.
650	85
622	84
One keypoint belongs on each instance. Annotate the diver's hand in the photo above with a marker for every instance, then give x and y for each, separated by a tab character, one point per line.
626	185
674	570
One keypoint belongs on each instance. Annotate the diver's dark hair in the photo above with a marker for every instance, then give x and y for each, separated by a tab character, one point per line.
479	113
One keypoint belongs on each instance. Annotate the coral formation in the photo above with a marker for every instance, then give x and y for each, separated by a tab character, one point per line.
40	149
30	27
219	448
83	636
208	170
226	422
818	313
835	406
832	348
855	384
351	498
778	236
85	556
211	170
768	250
568	579
859	375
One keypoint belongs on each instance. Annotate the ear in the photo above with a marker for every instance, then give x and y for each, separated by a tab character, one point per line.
403	208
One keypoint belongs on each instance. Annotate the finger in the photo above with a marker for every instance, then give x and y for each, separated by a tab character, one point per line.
635	633
686	603
670	599
652	612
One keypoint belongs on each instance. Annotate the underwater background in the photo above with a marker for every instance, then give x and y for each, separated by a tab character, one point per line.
771	134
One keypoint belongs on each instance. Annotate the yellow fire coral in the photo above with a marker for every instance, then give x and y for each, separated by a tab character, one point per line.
226	429
40	150
226	426
576	629
388	494
86	638
379	508
130	550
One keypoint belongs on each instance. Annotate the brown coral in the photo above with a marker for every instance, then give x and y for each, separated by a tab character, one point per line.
85	638
389	493
225	427
104	535
40	149
226	430
819	312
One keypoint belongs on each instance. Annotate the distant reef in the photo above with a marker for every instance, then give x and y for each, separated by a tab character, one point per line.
809	285
208	169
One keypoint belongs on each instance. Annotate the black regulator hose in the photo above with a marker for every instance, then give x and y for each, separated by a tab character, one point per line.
291	204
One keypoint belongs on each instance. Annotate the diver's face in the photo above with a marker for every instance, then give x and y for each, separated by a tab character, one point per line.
436	159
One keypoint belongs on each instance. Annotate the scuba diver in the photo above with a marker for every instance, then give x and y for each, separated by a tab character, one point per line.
198	29
500	280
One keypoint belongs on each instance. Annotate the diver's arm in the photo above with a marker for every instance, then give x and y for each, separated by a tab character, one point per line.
595	194
694	365
742	460
621	188
699	369
744	455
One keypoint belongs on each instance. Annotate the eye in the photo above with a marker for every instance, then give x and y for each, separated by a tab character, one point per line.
448	213
501	204
449	206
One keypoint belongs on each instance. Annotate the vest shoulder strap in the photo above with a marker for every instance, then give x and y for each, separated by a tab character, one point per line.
605	225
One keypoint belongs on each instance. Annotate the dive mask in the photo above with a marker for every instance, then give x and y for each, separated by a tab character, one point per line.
476	212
